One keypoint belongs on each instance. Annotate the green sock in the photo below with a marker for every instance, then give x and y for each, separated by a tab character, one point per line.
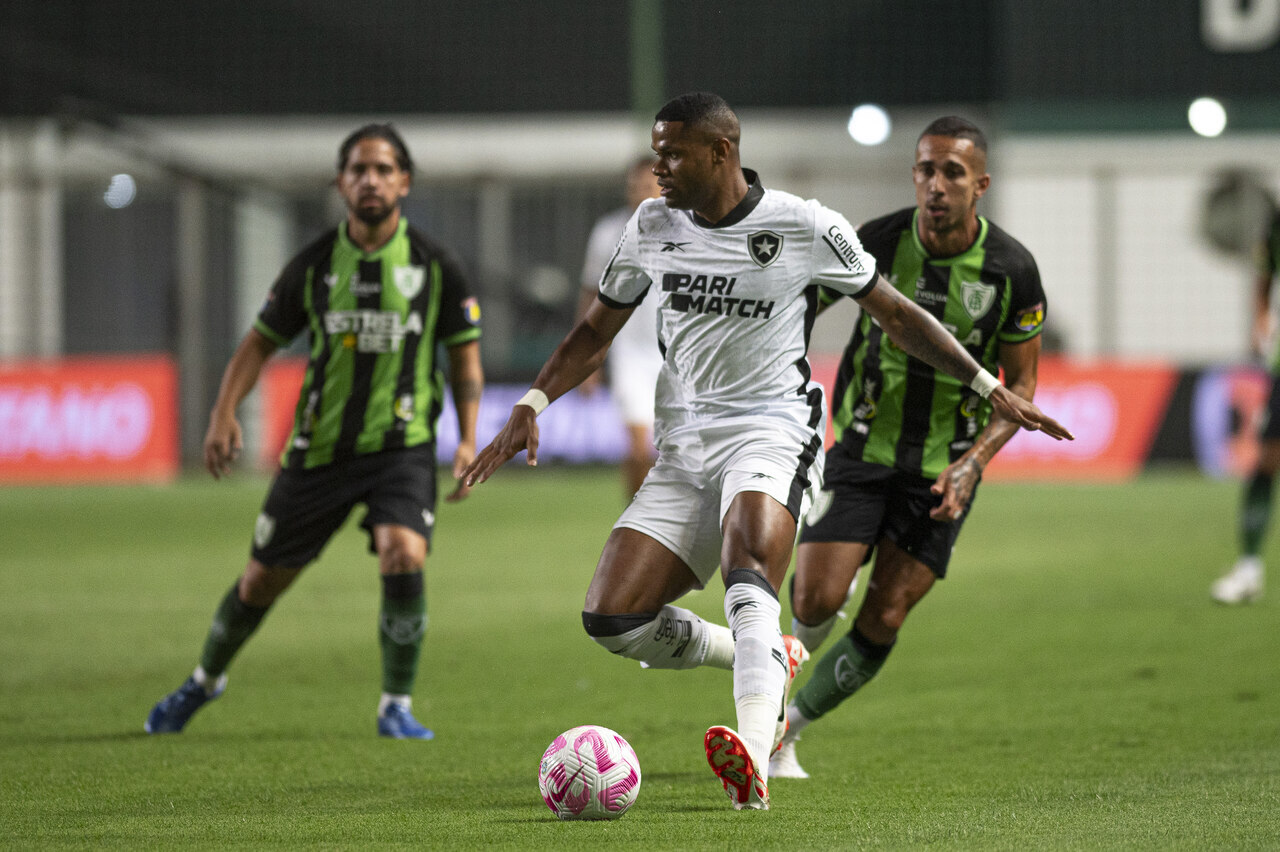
400	630
1255	514
233	624
842	671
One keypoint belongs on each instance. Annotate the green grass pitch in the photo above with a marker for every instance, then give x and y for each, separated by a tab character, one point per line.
1069	687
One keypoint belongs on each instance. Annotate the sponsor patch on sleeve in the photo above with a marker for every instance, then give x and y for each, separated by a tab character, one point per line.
1030	319
471	310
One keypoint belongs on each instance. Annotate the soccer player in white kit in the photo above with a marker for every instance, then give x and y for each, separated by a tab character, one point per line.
739	422
634	358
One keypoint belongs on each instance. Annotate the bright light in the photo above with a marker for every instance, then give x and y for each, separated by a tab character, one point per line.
1207	117
120	192
869	124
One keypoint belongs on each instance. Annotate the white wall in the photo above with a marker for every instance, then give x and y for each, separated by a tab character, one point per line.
1111	220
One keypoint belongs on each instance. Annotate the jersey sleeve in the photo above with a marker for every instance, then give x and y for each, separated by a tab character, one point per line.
624	282
1027	303
459	320
841	266
283	315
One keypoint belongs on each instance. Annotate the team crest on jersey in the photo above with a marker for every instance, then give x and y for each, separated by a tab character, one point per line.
764	247
404	408
977	298
409	279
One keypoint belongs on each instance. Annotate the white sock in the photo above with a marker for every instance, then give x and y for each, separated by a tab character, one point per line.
676	639
405	701
759	667
798	723
813	636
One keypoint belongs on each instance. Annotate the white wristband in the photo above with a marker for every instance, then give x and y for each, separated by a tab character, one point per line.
537	400
984	383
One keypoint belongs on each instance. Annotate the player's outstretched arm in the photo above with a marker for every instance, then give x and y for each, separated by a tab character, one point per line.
922	336
223	440
578	356
466	382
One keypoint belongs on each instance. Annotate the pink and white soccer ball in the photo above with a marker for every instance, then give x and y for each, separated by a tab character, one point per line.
589	772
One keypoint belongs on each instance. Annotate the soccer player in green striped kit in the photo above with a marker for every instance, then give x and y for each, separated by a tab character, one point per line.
911	441
377	298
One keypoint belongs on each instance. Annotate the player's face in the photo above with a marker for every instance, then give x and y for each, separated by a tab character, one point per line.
684	165
950	176
372	182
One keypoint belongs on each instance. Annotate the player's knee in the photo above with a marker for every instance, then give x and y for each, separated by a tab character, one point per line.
401	557
813	603
261	585
887	619
621	634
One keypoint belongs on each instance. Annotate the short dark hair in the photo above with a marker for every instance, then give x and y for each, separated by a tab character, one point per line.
385	132
955	127
704	110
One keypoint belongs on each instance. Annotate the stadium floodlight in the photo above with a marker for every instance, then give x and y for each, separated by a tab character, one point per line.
869	124
1207	117
120	192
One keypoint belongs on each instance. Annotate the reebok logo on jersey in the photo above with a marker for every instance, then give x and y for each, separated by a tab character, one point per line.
713	296
669	246
764	247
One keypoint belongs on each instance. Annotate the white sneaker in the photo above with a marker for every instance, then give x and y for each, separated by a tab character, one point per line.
1243	583
797	656
784	764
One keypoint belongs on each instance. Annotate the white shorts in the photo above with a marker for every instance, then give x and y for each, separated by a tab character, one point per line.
632	378
686	495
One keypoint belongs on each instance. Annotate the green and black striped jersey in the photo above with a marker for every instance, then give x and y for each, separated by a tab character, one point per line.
895	410
1267	258
375	320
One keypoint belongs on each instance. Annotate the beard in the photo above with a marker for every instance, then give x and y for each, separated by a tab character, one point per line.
373	215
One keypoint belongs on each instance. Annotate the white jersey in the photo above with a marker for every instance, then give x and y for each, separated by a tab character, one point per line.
737	301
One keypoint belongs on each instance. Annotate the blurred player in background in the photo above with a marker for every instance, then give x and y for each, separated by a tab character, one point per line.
1243	583
739	420
634	359
911	441
377	297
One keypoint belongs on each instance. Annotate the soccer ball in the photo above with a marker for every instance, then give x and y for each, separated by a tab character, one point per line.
589	772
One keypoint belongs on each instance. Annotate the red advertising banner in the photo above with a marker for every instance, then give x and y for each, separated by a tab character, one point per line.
1113	408
88	419
280	382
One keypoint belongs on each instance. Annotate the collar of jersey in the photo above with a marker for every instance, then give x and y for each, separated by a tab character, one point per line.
371	255
951	258
755	191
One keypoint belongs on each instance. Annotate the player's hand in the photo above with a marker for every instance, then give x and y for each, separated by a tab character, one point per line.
222	444
520	433
955	485
462	457
1015	409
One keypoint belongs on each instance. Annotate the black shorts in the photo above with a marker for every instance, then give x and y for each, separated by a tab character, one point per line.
1271	427
864	503
304	508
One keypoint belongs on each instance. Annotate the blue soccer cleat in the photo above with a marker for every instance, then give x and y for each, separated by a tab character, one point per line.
398	723
171	713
